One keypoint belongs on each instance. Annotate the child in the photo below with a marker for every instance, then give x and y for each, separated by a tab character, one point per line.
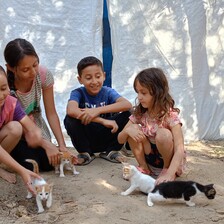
13	121
95	115
29	82
154	129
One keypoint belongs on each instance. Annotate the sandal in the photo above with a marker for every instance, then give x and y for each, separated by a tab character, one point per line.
112	156
144	171
86	157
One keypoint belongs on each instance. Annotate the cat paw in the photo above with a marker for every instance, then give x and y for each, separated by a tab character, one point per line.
124	193
75	172
57	171
29	195
62	175
150	204
40	210
48	205
190	203
149	201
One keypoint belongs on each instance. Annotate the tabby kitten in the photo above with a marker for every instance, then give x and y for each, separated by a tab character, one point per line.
43	189
65	162
138	180
181	190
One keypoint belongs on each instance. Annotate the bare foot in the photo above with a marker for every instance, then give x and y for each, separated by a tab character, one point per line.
10	177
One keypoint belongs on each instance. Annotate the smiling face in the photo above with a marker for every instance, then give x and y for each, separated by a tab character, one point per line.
27	68
4	88
92	78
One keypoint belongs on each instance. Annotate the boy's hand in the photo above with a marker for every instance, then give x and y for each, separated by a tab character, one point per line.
88	114
110	124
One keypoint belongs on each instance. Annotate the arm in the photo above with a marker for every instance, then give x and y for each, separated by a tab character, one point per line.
53	120
133	131
52	117
74	111
31	131
26	175
123	135
120	105
34	139
87	115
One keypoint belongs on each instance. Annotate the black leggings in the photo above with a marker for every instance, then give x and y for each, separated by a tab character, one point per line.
22	152
94	137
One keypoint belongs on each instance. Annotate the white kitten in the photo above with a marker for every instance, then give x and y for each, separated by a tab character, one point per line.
43	189
138	180
65	162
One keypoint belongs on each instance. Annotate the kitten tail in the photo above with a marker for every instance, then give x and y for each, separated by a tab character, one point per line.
35	165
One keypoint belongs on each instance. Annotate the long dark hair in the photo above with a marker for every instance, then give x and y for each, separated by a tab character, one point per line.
2	70
15	51
156	82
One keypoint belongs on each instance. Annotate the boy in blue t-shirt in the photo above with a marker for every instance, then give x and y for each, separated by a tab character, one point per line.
95	115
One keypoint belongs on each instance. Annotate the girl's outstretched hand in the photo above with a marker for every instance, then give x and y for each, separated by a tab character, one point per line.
27	177
165	176
74	157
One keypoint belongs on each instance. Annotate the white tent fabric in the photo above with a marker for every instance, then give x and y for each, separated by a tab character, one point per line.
184	38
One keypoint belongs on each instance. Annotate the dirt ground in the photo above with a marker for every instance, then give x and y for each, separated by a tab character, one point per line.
93	196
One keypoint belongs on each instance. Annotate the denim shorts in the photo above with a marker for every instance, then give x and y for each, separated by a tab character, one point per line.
154	158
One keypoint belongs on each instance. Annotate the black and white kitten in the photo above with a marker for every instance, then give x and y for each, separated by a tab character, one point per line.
181	190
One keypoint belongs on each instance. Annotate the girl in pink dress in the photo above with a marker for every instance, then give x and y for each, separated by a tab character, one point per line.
154	129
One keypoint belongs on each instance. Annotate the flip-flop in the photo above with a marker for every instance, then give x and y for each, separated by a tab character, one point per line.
112	156
87	158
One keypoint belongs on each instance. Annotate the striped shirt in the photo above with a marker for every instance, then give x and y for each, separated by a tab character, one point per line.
30	101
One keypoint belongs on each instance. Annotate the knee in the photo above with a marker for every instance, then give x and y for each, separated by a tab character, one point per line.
126	114
70	122
163	135
14	129
135	146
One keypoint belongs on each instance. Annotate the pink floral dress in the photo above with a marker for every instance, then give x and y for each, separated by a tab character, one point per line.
150	125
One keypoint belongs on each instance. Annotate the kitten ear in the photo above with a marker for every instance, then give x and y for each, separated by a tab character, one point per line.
37	188
60	155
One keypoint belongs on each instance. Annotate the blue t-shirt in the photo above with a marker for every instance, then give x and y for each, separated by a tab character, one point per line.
106	96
